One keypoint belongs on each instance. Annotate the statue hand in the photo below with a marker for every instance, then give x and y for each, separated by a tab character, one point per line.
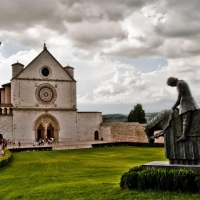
151	141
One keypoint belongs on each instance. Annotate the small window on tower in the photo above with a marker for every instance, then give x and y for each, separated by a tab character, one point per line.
45	71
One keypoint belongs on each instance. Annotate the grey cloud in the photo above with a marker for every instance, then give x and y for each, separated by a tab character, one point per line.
183	19
184	70
20	15
95	34
92	25
131	52
47	12
177	28
60	16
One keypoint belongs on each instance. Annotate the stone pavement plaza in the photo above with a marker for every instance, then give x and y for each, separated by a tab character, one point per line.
60	146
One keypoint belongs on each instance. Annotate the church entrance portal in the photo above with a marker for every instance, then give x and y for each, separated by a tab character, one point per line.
46	127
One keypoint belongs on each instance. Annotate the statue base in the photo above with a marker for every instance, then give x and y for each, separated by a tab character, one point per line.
184	161
167	165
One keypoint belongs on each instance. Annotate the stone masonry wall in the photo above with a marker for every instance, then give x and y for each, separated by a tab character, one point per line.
6	126
87	124
24	121
125	132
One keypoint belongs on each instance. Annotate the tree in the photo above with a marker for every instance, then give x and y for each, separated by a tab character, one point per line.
137	114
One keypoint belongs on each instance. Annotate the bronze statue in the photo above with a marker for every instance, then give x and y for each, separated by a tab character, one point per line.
176	124
186	102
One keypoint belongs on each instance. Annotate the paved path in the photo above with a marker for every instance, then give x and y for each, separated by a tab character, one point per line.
61	145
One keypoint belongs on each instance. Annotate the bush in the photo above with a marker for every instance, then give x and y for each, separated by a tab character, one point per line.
129	179
6	158
182	180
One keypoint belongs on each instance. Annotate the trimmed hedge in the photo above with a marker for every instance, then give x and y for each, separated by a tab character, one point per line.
6	158
137	144
182	180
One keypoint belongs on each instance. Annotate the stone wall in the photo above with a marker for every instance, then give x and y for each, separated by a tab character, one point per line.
6	126
124	132
105	133
87	124
24	121
24	94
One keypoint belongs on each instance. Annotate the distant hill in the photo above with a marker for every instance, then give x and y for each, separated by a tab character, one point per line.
124	118
149	116
115	118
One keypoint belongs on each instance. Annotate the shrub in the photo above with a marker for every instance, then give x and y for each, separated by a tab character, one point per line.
6	158
129	179
161	179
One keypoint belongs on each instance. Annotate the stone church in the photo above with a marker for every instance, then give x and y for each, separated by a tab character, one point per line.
40	102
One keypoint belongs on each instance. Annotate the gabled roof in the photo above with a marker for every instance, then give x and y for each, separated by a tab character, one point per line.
44	49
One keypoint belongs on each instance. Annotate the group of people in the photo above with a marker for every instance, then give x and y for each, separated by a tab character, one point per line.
4	143
40	142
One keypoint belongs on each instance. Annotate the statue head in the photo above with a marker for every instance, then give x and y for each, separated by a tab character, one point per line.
171	81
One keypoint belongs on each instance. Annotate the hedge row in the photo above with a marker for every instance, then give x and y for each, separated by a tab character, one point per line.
182	180
6	158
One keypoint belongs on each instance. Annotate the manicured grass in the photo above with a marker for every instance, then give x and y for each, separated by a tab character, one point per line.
78	174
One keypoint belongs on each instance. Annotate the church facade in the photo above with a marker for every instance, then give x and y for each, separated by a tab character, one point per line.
40	102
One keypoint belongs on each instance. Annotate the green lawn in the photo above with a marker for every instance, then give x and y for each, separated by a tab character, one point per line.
78	174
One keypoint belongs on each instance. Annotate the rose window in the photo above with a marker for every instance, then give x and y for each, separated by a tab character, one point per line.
46	93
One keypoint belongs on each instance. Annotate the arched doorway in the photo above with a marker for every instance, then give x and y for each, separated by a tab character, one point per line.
50	131
46	126
96	135
40	132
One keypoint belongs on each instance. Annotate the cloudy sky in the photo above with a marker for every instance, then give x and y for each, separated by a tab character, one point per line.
122	51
